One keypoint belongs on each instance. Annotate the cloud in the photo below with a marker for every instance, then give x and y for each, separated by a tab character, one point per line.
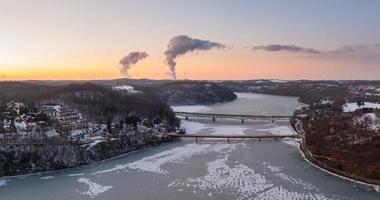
290	48
180	45
349	49
293	48
129	60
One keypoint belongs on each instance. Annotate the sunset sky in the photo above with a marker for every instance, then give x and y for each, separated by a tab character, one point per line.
271	39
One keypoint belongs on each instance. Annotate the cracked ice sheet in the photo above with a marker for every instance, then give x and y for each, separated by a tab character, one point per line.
242	182
155	162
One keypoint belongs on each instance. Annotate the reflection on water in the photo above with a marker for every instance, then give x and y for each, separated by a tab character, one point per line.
211	169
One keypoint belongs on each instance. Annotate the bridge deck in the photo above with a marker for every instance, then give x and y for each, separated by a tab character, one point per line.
239	116
233	136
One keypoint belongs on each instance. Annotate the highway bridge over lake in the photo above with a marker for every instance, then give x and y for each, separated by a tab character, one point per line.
228	137
241	117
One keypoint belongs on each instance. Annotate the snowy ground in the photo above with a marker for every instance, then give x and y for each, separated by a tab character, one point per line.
370	119
351	107
128	88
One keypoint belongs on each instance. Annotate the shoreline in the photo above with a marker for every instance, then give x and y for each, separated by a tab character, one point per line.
84	165
80	166
308	157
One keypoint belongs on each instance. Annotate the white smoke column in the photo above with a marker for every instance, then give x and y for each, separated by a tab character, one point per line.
129	60
180	45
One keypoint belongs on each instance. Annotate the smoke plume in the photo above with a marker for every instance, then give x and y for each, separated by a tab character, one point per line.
129	60
180	45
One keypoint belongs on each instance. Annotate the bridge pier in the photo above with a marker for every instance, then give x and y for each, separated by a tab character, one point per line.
242	121
228	140
213	119
196	139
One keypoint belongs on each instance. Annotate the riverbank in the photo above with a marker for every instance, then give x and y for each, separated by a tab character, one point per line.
23	159
309	157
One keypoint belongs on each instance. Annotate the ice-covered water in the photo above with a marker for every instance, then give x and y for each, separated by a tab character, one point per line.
211	169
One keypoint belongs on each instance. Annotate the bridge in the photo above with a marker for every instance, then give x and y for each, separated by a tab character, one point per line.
228	137
215	116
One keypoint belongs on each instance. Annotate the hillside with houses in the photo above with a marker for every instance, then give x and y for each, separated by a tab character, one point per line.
93	122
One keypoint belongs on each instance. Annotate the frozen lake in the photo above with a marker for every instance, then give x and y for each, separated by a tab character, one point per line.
211	169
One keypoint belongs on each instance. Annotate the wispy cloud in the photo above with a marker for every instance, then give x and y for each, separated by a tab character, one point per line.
348	49
290	48
293	48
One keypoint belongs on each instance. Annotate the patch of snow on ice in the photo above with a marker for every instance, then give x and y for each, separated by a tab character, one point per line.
376	188
3	182
279	130
176	155
277	171
116	168
241	180
281	193
94	189
80	174
292	142
47	177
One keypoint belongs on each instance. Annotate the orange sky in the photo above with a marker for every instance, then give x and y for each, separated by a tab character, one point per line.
87	39
215	64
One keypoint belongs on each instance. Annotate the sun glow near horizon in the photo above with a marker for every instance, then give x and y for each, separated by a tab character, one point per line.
218	65
86	40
